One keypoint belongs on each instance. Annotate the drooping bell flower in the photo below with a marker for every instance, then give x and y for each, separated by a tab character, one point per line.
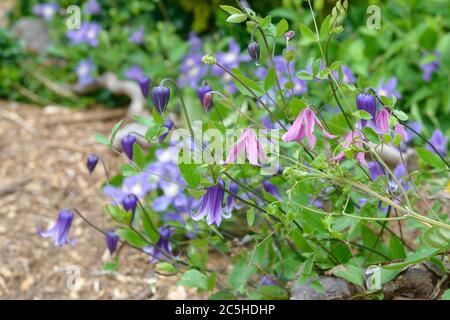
272	189
169	125
354	138
211	205
368	103
254	51
60	230
382	120
91	162
162	248
144	84
127	145
160	98
439	141
375	170
204	94
249	144
304	126
111	241
129	203
231	199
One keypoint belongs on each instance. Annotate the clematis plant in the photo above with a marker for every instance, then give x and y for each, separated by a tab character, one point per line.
336	204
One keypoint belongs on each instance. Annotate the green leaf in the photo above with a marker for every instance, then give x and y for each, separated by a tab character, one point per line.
150	229
230	9
146	121
118	214
446	295
250	216
361	114
350	273
400	115
431	158
270	79
323	74
325	28
289	55
128	169
282	27
303	75
190	173
336	65
114	132
371	135
211	283
165	267
111	266
396	248
413	258
157	117
131	237
273	292
195	279
101	139
312	222
222	295
437	238
389	102
307	32
237	18
252	85
138	156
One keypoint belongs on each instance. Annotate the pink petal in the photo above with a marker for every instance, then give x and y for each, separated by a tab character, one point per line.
362	159
400	129
310	128
382	120
338	157
252	148
293	132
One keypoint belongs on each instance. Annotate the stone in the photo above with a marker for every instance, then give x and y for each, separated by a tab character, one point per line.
34	33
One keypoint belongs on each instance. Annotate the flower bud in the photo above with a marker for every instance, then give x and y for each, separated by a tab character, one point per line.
129	203
254	51
127	145
91	162
289	35
144	83
368	103
204	94
160	98
111	241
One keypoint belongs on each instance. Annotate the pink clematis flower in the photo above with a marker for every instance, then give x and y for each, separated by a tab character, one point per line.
248	143
355	138
304	126
400	129
382	120
382	123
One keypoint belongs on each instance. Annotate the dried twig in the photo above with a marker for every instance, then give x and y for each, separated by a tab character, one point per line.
14	117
